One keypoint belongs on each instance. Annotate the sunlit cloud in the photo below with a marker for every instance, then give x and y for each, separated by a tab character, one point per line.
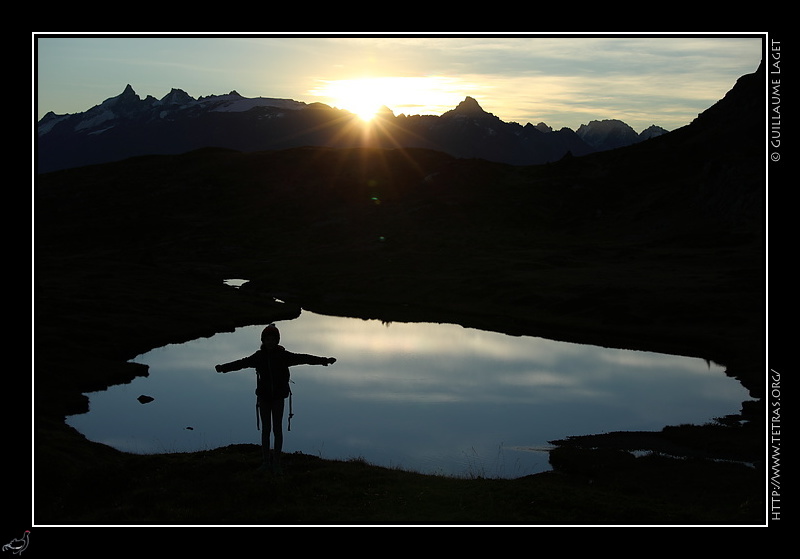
561	80
366	95
567	81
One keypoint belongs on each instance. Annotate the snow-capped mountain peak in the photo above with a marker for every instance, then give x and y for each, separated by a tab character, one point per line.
129	106
127	125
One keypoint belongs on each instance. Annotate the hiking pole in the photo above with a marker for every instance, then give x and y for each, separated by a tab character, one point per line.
289	423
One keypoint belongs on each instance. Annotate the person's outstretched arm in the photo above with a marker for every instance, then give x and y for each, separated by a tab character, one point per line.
305	359
237	365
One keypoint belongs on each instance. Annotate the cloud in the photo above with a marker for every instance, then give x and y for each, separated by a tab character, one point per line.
567	80
562	80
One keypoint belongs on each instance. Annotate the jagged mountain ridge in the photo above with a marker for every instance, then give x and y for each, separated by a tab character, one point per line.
126	126
612	133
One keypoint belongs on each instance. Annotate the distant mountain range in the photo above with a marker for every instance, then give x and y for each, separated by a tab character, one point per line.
127	125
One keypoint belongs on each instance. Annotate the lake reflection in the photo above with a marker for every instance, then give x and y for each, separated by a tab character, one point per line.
435	398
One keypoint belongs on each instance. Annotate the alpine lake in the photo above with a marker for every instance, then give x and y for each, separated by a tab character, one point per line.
427	397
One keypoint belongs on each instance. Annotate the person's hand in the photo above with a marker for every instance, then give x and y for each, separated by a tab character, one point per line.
218	368
330	361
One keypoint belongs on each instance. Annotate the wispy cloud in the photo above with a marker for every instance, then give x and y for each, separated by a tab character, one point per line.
563	80
567	80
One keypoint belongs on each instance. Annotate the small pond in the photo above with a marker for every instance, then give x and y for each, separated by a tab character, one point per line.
434	398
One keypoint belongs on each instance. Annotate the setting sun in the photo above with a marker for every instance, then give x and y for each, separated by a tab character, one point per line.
363	97
410	95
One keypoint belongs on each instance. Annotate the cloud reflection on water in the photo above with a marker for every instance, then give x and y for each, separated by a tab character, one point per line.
436	397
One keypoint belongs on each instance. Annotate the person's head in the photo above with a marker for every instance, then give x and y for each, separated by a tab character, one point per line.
270	335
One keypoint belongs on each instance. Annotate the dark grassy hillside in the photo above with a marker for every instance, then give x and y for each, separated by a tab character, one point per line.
659	247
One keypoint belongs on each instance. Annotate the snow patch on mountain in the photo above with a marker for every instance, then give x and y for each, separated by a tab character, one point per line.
95	120
48	121
238	104
128	125
129	105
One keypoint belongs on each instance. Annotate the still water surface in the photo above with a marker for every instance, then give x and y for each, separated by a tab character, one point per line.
434	398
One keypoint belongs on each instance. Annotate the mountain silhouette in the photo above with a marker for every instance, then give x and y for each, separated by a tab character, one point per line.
126	126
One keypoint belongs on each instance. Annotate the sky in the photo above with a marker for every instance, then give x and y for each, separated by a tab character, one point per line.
561	80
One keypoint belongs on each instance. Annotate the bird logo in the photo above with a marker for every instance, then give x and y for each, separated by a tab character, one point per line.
18	545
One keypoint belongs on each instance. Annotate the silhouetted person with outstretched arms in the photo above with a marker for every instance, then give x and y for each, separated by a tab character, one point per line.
272	362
